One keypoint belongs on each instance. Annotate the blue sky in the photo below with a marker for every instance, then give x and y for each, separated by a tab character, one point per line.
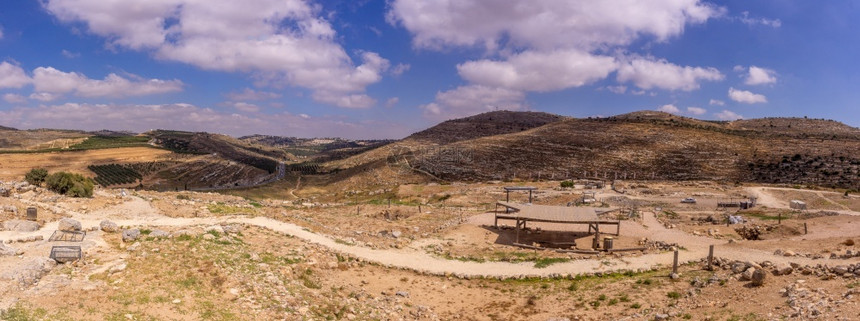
385	69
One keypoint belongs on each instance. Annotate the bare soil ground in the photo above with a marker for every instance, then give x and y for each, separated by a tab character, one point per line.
337	257
14	166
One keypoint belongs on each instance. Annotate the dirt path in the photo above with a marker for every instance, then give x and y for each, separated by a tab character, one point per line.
766	199
138	212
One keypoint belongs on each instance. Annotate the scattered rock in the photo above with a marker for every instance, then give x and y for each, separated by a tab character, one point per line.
215	228
782	269
70	225
208	237
758	277
20	226
232	228
182	233
396	234
108	226
130	235
403	294
158	233
7	250
118	268
134	247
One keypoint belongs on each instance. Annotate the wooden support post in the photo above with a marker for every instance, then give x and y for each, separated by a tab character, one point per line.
779	220
805	229
675	263
507	196
710	257
358	210
419	209
389	203
618	229
530	196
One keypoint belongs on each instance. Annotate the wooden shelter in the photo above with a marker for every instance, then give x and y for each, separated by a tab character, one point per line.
524	213
508	190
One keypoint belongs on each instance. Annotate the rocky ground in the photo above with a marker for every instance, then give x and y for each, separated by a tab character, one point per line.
189	256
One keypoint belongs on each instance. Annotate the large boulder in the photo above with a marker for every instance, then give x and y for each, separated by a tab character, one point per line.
30	271
20	226
130	235
782	269
108	226
69	225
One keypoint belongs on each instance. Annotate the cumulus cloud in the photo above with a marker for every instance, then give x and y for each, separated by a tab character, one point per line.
696	111
399	69
43	96
542	46
14	98
50	80
473	99
669	108
141	118
544	25
746	97
250	94
280	42
716	102
728	115
539	71
648	73
1	32
12	76
760	76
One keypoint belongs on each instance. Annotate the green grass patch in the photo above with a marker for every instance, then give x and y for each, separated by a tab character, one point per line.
221	208
544	262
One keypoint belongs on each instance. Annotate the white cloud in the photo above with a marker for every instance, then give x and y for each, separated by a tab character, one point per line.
1	32
539	71
246	107
50	80
728	115
760	76
12	76
14	98
391	102
43	96
473	99
399	69
187	117
648	73
746	97
669	108
250	94
696	110
716	102
544	25
617	89
69	54
279	41
745	18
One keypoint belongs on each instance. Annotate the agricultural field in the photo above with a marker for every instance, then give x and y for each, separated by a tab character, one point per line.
14	166
114	174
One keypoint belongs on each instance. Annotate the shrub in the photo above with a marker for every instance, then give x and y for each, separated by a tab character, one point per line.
567	184
36	176
70	184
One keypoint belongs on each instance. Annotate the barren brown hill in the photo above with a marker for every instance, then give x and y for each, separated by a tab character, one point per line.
646	145
483	125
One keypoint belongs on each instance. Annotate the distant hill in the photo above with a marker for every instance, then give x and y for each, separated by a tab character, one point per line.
640	145
4	128
316	149
483	125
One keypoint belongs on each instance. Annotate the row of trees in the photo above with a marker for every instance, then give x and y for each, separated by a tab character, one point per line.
70	184
113	174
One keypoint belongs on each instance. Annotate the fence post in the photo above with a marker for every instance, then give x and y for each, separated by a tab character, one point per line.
675	263
710	257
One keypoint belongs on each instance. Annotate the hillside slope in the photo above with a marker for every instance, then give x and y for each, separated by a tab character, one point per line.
483	125
645	145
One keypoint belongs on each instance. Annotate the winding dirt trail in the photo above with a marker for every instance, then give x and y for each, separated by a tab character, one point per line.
766	199
139	212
